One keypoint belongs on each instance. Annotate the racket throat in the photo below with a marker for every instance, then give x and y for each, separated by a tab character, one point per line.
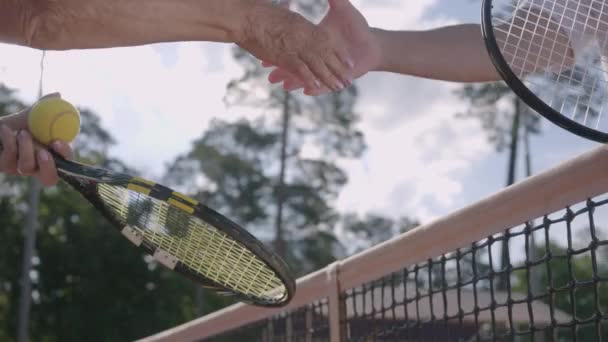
165	258
132	235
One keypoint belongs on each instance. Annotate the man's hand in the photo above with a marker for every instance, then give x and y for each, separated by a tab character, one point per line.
21	155
317	56
345	22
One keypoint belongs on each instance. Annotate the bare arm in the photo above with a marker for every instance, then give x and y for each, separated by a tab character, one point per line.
69	24
453	53
271	33
458	53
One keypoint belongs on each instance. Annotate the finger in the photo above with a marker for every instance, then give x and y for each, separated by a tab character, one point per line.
290	82
322	72
266	64
291	85
56	94
343	56
26	163
284	3
302	71
64	149
317	91
294	84
337	3
339	71
278	75
47	174
8	157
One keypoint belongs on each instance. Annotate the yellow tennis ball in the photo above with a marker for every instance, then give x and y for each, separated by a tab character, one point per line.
53	119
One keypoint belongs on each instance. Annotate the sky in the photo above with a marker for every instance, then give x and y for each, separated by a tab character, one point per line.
422	162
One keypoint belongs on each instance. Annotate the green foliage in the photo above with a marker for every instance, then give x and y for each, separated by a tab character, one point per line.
232	168
226	170
372	229
91	275
577	291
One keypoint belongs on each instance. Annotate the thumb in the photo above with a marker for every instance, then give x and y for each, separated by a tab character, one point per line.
337	3
51	95
20	120
284	3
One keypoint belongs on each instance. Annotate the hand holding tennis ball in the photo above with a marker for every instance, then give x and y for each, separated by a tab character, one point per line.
54	118
22	154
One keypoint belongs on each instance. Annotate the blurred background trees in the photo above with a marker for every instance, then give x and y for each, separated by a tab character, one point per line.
278	174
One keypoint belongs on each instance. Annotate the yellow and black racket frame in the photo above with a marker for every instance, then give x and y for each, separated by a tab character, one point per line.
85	178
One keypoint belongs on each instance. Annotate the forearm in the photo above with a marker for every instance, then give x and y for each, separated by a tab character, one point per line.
71	24
11	21
454	53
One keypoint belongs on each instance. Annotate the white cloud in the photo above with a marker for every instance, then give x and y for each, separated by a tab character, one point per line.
416	158
153	108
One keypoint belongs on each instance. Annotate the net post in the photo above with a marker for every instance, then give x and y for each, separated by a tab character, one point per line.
334	305
265	334
289	328
308	318
270	330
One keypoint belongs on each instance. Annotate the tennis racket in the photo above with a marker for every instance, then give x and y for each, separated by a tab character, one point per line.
553	55
184	235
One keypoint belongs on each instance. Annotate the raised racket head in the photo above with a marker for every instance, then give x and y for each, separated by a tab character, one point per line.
184	235
553	54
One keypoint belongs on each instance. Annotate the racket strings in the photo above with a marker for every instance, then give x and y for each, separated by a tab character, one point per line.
204	249
543	23
536	37
560	8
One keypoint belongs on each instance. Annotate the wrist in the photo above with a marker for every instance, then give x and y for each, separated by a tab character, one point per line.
246	11
380	60
385	61
262	20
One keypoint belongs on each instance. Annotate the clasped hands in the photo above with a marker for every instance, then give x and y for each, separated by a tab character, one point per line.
326	57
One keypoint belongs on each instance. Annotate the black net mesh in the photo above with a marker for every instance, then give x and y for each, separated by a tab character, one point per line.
552	286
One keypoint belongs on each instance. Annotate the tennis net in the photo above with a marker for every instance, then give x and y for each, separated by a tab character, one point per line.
450	280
